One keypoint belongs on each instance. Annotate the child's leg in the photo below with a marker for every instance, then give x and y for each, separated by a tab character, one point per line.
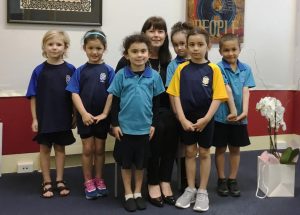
99	157
220	161
139	174
205	165
59	161
190	164
139	200
234	157
202	201
99	161
188	197
126	176
222	187
88	148
45	167
129	203
60	164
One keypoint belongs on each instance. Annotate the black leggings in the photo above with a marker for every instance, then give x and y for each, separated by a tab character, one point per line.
163	149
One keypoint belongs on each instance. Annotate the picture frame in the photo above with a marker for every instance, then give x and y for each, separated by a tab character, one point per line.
217	17
58	12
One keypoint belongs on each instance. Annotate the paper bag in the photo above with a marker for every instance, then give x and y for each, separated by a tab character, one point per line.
275	180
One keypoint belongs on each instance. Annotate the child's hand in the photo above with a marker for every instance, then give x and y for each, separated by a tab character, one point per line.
117	132
200	124
34	125
152	130
100	117
231	117
187	125
88	119
241	117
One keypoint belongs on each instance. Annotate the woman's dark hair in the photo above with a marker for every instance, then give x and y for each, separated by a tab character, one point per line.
135	38
164	54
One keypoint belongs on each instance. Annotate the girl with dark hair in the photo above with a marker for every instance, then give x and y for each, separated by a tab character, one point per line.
165	140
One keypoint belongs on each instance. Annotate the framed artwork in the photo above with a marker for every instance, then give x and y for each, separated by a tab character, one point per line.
65	12
217	17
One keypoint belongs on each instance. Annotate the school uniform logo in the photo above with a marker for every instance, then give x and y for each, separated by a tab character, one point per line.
103	77
205	81
68	78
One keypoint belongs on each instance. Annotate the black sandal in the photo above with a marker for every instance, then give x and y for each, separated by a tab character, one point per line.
62	188
44	190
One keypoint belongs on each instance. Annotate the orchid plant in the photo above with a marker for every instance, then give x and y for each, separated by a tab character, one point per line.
272	109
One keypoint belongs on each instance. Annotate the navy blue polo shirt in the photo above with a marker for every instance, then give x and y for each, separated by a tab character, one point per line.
136	93
90	82
54	107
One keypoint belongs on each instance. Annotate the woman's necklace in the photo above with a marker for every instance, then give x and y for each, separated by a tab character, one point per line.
158	67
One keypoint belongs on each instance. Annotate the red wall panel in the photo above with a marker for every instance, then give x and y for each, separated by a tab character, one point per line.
258	124
16	117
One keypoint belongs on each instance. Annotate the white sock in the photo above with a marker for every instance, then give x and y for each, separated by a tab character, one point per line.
128	196
202	191
136	195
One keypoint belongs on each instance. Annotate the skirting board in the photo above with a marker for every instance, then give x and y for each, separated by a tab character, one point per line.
9	162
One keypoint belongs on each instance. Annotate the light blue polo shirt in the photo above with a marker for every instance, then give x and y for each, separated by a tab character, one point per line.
172	66
136	94
237	80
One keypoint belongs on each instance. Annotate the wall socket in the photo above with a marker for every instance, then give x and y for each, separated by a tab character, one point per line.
24	167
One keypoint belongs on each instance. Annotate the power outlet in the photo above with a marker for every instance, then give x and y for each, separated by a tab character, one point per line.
24	167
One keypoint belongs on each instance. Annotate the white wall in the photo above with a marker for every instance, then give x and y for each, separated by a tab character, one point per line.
297	51
269	47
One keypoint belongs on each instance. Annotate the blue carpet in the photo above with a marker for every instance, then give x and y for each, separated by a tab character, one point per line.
19	195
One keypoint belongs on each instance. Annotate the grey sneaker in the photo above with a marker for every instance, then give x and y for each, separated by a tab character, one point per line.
202	201
188	197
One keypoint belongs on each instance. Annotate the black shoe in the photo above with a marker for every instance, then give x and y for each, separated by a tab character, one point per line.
233	187
170	200
140	203
222	188
158	202
130	205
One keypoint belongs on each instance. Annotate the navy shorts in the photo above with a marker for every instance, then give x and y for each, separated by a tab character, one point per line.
62	138
99	130
203	138
230	134
132	150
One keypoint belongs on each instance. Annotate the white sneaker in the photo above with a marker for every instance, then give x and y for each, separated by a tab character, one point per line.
202	201
188	197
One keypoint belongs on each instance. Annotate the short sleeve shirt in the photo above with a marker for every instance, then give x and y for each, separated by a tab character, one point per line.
136	94
53	103
90	82
172	67
197	85
237	80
